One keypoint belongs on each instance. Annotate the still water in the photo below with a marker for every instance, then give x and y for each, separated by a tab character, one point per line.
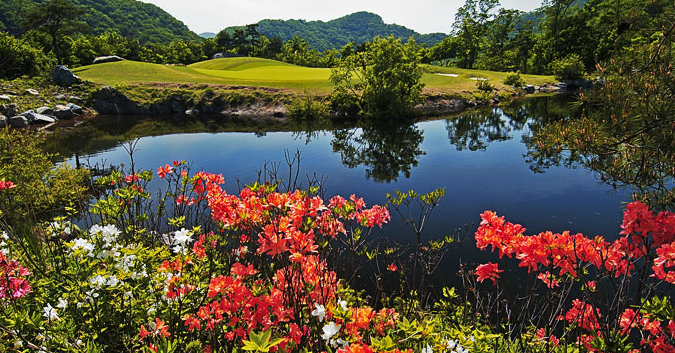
480	157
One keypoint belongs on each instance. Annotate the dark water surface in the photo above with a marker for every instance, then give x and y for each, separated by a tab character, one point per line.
480	157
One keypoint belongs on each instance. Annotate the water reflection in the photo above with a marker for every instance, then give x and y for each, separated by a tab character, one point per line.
386	151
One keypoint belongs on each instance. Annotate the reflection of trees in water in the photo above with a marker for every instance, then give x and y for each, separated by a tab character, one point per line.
475	131
385	151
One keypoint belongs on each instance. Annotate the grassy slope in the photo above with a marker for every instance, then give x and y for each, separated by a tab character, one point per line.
271	73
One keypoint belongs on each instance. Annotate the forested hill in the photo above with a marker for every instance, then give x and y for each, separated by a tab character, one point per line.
358	27
145	22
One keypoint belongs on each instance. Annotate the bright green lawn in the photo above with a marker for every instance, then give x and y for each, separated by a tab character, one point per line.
271	73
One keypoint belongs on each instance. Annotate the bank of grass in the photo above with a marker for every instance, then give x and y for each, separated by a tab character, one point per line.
257	72
48	93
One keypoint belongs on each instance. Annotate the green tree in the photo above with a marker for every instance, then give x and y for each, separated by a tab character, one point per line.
17	58
383	80
471	23
58	19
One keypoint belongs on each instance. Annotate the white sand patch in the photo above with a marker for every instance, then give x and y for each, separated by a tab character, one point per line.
478	78
449	75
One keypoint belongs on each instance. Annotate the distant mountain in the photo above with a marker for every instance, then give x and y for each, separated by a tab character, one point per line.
207	35
145	22
358	27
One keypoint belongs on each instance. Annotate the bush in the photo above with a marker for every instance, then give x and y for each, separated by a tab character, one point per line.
568	68
514	79
308	107
18	59
484	85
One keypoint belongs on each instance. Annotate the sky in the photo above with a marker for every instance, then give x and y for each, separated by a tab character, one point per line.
423	16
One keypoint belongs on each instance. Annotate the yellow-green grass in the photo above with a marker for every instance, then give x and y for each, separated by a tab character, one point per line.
275	74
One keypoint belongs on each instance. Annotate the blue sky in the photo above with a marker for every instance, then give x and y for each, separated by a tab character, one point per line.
424	16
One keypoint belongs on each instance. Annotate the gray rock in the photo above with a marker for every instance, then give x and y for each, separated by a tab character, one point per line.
75	99
529	89
62	76
32	92
60	96
9	109
18	122
75	108
218	56
6	98
192	112
107	59
43	119
109	101
62	112
3	121
44	110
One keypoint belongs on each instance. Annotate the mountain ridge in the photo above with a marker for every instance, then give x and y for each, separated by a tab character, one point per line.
359	27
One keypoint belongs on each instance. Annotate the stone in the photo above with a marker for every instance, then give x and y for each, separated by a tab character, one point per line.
43	119
6	98
218	56
62	76
62	112
192	112
18	122
32	92
60	96
8	109
3	121
44	110
75	99
75	108
529	89
107	59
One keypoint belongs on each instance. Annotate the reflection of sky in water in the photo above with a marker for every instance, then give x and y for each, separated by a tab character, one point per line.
497	178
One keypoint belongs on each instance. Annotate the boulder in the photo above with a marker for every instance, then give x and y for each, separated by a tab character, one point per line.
529	89
29	115
75	99
44	110
6	98
75	108
192	112
18	122
62	112
62	76
43	119
60	96
107	59
3	121
32	92
218	56
110	101
9	109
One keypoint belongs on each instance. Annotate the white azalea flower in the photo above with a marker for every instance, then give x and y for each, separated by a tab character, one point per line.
330	330
181	237
451	344
83	244
320	312
427	349
50	313
342	303
62	304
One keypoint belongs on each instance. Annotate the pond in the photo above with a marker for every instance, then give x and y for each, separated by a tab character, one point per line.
481	158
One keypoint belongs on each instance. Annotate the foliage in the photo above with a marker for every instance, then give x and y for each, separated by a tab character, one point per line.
384	80
133	19
18	59
308	107
514	80
57	19
358	27
568	68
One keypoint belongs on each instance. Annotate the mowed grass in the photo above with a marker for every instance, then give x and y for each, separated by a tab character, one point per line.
274	74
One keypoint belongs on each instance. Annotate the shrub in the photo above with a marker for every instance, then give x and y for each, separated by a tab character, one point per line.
18	59
514	79
308	107
568	68
484	85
